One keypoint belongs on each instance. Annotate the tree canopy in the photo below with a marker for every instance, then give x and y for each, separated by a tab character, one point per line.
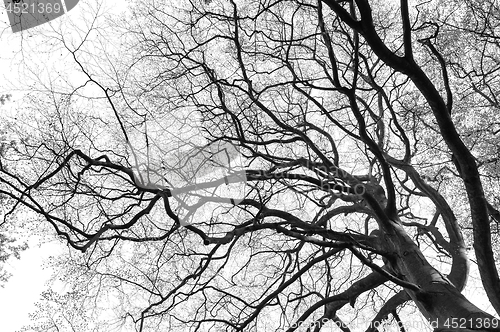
8	246
266	166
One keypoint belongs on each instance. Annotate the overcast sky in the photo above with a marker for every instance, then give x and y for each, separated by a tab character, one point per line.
29	278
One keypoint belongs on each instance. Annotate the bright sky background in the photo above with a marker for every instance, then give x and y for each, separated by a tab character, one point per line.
25	286
29	278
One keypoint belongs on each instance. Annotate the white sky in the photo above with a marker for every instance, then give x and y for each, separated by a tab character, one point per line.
29	278
25	286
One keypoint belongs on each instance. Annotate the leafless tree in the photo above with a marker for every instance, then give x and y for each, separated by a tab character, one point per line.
270	166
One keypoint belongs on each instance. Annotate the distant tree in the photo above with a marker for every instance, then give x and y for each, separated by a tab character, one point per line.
269	166
4	98
8	246
8	249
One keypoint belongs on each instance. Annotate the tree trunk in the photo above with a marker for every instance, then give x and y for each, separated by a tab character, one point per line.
438	300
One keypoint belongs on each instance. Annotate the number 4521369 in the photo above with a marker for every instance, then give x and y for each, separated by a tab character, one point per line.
20	7
25	14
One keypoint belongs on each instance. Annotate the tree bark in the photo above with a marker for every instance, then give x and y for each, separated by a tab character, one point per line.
436	290
438	300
